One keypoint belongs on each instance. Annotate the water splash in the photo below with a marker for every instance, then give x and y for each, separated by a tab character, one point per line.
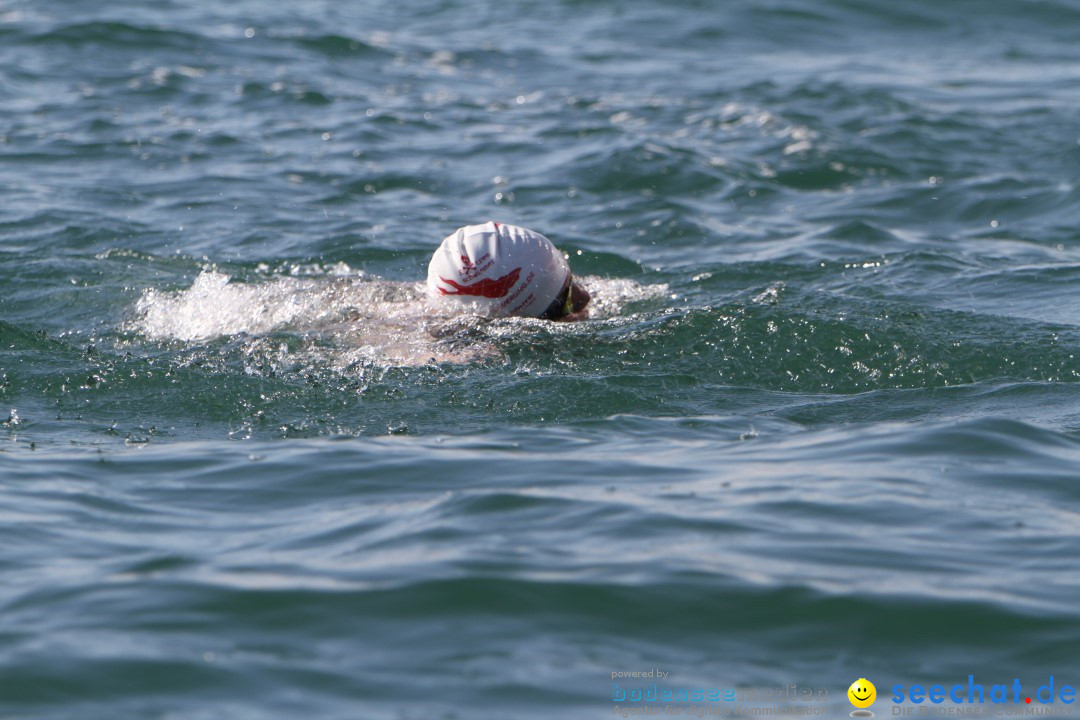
352	320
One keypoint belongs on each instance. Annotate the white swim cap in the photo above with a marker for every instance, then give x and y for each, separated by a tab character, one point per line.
497	270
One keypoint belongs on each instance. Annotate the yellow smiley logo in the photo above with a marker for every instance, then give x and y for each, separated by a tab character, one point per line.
862	693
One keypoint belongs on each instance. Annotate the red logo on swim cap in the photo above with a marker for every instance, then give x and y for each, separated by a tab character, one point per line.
468	269
485	288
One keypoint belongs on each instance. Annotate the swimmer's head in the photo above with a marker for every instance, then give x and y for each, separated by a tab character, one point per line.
500	270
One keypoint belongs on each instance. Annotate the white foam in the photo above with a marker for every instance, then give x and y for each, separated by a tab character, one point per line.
215	306
610	296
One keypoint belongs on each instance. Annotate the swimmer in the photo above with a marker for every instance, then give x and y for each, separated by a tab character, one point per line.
499	270
478	273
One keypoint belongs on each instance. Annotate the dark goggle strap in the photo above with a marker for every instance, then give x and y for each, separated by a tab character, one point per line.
563	303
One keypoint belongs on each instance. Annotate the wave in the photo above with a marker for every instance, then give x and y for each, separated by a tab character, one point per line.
115	34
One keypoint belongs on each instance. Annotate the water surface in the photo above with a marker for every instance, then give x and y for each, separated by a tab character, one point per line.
823	424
